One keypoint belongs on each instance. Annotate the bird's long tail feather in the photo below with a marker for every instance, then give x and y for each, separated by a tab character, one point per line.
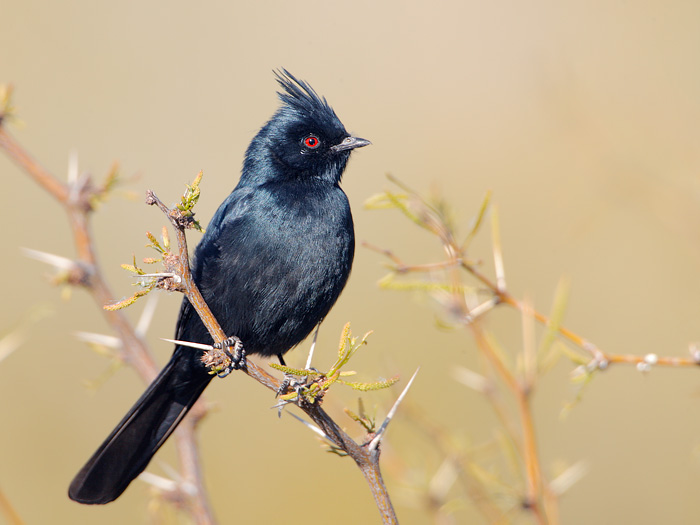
132	444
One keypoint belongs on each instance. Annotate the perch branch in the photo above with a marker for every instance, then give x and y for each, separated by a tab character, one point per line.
366	458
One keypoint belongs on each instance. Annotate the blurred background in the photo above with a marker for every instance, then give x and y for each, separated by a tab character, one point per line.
582	117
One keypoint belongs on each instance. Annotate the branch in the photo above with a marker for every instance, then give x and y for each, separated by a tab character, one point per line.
445	281
76	199
6	509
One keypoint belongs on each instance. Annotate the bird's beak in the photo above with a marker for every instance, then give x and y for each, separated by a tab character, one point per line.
350	143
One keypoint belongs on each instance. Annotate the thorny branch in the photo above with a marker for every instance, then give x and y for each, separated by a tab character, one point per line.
76	197
538	496
366	458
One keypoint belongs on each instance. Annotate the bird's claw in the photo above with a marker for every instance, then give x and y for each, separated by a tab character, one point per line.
237	358
291	382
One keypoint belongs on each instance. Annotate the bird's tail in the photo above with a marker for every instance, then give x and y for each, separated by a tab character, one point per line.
132	444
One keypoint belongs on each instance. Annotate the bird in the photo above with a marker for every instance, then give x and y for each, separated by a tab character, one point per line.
272	262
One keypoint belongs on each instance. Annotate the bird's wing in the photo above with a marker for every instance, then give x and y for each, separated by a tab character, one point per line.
231	210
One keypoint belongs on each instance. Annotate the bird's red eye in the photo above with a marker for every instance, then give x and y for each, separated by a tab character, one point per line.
312	142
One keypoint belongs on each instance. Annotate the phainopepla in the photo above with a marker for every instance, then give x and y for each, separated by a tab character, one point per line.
272	263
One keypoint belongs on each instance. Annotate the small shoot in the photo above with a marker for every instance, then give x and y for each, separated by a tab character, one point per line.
101	194
149	281
581	377
477	221
169	279
8	112
133	267
367	422
321	382
549	352
188	201
118	305
435	216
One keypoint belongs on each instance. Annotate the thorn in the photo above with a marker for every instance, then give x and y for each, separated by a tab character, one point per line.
170	471
100	339
443	480
311	427
380	433
159	482
198	346
176	484
568	478
313	347
174	276
10	343
279	406
76	184
471	379
57	261
147	314
73	168
175	478
482	308
497	251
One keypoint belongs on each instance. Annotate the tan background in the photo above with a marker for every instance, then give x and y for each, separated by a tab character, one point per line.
583	119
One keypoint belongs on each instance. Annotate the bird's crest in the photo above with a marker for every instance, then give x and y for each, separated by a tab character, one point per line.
301	96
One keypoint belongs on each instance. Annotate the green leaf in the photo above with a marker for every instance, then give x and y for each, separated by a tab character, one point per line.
189	199
133	269
299	372
561	297
478	220
128	301
154	243
376	385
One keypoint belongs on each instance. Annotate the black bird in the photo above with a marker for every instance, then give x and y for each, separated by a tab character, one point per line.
272	263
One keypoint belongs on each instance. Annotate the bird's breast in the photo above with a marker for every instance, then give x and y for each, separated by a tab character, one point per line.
280	267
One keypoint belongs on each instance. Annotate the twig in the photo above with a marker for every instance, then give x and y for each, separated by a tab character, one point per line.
6	509
536	497
601	359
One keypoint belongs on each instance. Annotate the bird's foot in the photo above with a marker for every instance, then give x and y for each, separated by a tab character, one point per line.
233	348
294	383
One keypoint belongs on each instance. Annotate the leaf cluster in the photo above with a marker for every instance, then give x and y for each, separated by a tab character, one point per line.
320	382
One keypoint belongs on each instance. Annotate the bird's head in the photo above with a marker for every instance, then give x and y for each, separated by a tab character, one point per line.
303	139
